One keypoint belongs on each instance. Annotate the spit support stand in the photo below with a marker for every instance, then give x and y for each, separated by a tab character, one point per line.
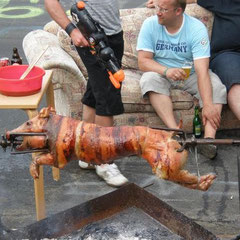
13	141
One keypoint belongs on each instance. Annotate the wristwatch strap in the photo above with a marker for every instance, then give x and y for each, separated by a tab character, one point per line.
165	72
69	28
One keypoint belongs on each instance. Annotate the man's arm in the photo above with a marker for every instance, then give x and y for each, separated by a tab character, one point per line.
58	14
209	111
146	63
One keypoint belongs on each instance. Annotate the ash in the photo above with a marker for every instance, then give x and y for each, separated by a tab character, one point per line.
130	224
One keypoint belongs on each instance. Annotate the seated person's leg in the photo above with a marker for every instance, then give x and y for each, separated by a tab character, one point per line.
234	100
218	95
157	89
219	98
227	66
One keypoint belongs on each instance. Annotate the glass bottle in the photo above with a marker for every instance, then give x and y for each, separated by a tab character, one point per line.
15	57
197	126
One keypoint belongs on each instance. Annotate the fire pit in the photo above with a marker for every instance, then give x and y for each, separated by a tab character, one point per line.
127	213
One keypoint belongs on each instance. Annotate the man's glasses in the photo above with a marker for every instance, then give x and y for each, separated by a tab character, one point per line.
162	10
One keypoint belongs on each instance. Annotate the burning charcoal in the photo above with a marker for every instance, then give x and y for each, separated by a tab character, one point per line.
131	224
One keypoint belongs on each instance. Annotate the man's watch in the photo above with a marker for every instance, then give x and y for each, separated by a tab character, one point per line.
69	28
165	72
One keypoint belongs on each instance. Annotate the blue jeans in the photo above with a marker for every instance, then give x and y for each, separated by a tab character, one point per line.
227	66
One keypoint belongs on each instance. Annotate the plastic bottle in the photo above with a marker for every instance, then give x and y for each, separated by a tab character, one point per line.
15	57
197	125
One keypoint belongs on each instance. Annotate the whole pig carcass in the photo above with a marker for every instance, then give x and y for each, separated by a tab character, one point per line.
69	139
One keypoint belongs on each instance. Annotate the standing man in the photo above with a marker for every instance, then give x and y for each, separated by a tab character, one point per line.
101	100
165	42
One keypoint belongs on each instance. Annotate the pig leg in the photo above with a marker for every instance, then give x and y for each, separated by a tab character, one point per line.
184	177
41	159
189	180
202	184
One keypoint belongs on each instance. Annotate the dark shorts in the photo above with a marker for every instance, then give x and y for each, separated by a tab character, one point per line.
227	66
100	93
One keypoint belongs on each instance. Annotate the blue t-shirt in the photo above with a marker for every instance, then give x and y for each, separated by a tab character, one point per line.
191	42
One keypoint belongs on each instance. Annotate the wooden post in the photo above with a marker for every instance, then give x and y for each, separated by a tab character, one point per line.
38	183
39	195
50	102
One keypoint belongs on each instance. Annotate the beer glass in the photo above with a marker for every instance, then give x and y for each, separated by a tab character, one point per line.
187	66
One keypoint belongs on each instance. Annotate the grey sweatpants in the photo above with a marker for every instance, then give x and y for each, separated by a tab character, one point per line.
154	82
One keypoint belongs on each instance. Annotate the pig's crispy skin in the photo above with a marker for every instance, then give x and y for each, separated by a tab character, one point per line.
70	139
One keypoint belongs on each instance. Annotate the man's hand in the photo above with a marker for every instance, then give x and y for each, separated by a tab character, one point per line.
78	39
150	4
176	74
210	113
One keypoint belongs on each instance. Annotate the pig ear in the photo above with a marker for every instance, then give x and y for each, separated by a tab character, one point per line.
45	112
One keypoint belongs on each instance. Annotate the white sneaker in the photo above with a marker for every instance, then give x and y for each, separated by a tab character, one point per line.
111	174
85	165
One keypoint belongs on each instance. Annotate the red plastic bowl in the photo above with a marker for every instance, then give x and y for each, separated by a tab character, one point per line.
11	85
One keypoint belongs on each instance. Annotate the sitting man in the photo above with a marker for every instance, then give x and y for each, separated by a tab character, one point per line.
165	42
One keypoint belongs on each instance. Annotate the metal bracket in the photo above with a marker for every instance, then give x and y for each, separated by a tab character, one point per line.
13	141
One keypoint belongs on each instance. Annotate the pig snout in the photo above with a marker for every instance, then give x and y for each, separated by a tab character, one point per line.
35	124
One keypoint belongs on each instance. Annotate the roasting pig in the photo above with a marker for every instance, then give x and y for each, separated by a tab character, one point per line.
69	139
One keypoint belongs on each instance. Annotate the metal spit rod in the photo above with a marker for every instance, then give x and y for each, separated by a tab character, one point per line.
13	142
193	142
182	138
